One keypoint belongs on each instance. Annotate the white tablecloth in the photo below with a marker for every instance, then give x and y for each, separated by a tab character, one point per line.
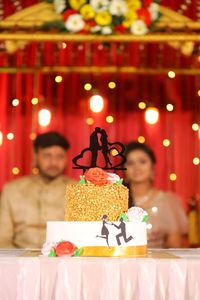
76	278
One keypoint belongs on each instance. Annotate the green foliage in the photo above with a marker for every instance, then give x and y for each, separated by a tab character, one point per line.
146	218
57	24
52	253
124	217
78	252
119	182
82	179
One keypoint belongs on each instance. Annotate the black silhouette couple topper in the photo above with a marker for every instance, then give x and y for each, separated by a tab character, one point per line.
99	144
121	226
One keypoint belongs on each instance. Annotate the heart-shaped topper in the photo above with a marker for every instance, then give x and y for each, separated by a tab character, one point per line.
111	154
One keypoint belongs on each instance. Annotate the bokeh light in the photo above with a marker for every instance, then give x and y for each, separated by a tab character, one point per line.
87	86
195	127
96	103
166	142
142	105
152	115
112	85
196	161
15	102
141	139
58	79
109	119
10	136
171	74
90	121
170	107
34	101
15	171
173	176
44	117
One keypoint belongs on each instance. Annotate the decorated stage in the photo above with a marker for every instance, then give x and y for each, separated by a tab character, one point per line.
170	274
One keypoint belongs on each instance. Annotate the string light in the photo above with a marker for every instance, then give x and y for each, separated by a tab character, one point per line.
87	86
170	107
152	115
58	79
44	117
15	171
1	138
195	127
34	101
141	139
154	209
90	121
149	226
196	161
142	105
109	119
32	136
112	85
10	136
171	74
96	103
173	177
198	93
15	102
64	45
166	143
35	171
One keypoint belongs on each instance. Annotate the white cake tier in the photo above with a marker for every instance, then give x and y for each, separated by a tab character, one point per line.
92	234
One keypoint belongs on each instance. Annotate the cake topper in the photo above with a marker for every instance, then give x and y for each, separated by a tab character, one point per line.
99	145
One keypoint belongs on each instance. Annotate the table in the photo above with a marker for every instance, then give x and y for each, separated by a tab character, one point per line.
164	275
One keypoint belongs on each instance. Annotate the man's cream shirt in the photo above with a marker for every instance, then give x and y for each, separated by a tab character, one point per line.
26	205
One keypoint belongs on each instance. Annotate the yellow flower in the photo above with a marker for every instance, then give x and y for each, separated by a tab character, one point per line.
134	4
76	4
87	12
103	18
130	16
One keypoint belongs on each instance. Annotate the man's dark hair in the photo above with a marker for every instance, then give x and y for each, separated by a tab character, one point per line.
49	139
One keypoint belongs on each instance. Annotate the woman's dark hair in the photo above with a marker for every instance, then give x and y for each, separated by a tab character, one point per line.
49	139
145	148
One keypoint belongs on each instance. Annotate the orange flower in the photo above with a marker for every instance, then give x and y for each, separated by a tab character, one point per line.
65	249
96	176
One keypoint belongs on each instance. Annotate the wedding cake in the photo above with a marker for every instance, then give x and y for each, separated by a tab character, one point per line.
97	219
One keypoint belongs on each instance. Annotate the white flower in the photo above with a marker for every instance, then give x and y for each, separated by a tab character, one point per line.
138	27
154	11
99	5
136	214
59	5
118	7
107	30
112	177
75	23
46	248
96	28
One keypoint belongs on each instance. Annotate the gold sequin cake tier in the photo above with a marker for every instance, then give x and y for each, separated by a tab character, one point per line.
88	202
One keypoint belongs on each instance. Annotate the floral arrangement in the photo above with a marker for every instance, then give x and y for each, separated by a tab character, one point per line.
137	214
107	16
98	176
62	248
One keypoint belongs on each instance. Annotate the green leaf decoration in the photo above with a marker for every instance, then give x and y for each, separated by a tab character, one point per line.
146	218
78	252
119	182
124	217
82	179
52	253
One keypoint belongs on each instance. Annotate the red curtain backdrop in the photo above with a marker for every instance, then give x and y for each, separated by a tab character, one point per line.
68	102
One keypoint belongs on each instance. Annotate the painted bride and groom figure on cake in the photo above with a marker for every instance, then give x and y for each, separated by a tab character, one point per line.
121	227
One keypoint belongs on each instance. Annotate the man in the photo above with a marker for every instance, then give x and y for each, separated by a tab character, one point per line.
29	202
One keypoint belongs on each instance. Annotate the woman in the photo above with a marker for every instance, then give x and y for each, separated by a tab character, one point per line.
168	222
